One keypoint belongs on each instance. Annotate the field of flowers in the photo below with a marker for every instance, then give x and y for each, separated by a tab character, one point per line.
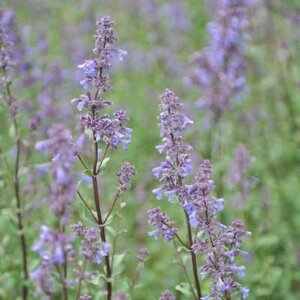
149	149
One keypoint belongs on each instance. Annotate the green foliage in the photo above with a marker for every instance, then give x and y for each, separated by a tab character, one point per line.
272	211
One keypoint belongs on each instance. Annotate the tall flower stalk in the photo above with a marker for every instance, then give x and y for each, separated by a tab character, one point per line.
104	130
55	246
172	172
219	71
219	244
6	65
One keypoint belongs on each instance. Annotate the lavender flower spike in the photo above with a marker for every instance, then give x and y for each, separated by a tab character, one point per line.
6	63
104	130
162	224
124	176
166	295
219	70
178	161
172	172
96	83
221	244
55	247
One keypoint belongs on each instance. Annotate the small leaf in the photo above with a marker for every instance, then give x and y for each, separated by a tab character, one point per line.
88	172
184	288
104	163
181	248
110	230
96	279
87	216
109	219
118	266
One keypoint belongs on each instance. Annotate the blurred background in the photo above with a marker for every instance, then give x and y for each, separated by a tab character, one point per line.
53	37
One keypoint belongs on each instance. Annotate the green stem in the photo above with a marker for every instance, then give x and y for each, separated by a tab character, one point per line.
17	191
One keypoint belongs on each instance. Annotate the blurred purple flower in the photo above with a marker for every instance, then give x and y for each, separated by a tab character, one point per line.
167	295
219	70
124	176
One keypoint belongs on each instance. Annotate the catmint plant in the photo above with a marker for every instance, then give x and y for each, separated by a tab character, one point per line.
108	133
61	261
219	70
55	246
7	64
215	244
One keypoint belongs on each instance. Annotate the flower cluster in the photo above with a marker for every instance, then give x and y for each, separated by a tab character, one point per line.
178	163
221	244
220	68
91	249
166	295
55	246
143	254
14	39
63	188
124	176
5	46
200	203
42	278
163	226
96	83
6	63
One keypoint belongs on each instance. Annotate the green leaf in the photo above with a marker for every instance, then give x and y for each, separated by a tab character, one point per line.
184	288
104	163
96	279
118	266
88	172
110	230
181	248
87	216
109	219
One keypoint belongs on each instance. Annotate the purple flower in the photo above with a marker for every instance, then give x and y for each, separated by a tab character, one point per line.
158	193
162	224
166	295
220	262
110	130
219	244
124	176
91	248
143	254
53	244
177	164
43	279
219	70
63	188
